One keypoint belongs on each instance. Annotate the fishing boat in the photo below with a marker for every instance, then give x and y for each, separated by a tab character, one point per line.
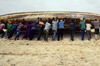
32	16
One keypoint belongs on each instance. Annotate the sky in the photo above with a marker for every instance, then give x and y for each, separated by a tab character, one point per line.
14	6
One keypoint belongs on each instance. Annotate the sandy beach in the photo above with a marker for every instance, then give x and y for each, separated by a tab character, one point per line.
51	53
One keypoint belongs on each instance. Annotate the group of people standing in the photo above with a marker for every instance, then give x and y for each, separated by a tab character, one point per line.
87	26
40	26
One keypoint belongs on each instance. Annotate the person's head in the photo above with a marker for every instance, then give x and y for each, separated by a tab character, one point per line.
53	18
48	21
81	19
72	20
10	22
16	21
23	20
61	20
40	19
43	21
2	21
95	19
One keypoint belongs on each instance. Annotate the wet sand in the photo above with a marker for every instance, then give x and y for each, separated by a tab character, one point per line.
51	53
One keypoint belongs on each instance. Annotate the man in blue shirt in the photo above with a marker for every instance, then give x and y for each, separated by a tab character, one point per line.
13	29
61	28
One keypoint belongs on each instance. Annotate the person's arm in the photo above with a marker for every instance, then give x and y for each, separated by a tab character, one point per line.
50	25
7	25
37	20
86	24
84	20
44	25
64	19
4	27
91	21
52	22
53	18
79	25
90	25
57	19
75	20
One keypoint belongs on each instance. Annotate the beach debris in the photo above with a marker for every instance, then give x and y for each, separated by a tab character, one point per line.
27	44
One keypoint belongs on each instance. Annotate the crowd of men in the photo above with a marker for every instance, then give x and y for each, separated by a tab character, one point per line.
40	25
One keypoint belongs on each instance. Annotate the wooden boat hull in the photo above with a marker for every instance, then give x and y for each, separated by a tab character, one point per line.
32	16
